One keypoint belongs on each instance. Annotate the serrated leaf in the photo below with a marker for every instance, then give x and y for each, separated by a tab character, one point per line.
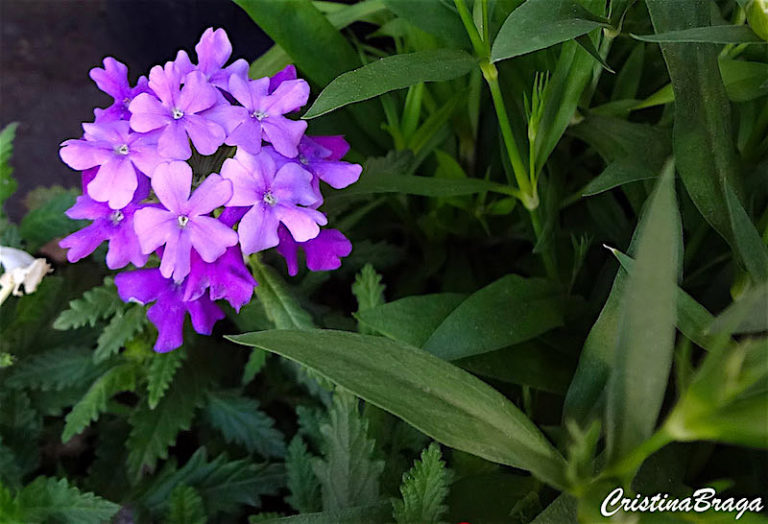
241	421
369	292
52	370
96	304
120	330
154	430
185	506
349	476
281	307
162	368
8	184
116	379
424	490
255	363
52	500
303	484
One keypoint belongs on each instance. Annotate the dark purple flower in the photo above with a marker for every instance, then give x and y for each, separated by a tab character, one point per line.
261	115
169	309
120	155
274	196
285	74
323	253
113	80
184	223
176	110
213	51
114	225
322	157
227	278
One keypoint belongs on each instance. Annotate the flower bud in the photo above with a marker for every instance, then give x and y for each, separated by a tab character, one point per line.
757	15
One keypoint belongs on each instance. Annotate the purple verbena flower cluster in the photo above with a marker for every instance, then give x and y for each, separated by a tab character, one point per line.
143	196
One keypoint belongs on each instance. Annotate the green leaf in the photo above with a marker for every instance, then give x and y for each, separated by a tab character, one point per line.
373	514
437	18
368	289
411	319
281	307
509	311
52	500
185	506
390	73
561	511
705	153
348	474
52	370
153	431
96	304
424	490
303	484
647	325
618	173
48	221
749	244
255	363
746	315
8	184
716	34
538	24
744	80
116	379
120	330
439	399
162	368
241	421
419	185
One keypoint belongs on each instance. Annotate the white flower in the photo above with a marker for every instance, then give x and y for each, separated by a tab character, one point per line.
20	268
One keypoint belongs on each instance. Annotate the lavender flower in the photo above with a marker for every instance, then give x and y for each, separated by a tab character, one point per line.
323	253
213	51
176	111
120	155
113	80
227	278
274	196
322	157
169	309
183	224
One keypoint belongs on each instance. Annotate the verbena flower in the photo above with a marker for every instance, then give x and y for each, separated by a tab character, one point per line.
169	310
122	158
176	111
113	80
213	51
227	278
182	224
322	253
322	157
274	196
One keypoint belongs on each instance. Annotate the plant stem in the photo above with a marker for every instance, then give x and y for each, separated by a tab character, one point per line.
549	262
628	466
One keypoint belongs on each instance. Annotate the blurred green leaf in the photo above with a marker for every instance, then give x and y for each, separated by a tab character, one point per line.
281	307
439	399
48	221
373	514
54	500
119	331
437	18
424	489
645	346
54	370
160	372
185	506
390	73
8	184
748	241
748	314
420	185
716	34
97	303
303	484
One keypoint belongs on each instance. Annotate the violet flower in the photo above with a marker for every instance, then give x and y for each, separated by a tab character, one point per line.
322	157
183	224
213	50
274	196
113	80
175	110
169	309
114	225
121	158
285	74
227	278
261	115
323	253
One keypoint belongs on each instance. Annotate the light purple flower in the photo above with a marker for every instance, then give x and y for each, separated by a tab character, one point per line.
113	80
184	223
169	308
176	111
322	157
323	253
227	278
213	50
114	225
274	196
261	115
120	155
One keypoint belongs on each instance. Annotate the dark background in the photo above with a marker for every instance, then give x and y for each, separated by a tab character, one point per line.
47	48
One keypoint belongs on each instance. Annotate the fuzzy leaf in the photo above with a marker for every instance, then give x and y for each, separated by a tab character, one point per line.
52	500
120	330
96	304
52	370
348	474
424	490
241	421
302	481
116	379
255	363
185	506
160	374
369	292
281	307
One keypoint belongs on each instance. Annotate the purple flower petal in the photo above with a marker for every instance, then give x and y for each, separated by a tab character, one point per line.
214	192
171	182
173	142
204	314
152	226
337	174
258	230
288	97
206	134
124	247
335	144
115	183
84	242
142	285
112	79
87	208
301	222
148	113
176	255
294	184
324	252
247	184
247	136
197	94
168	318
287	73
284	133
81	154
210	237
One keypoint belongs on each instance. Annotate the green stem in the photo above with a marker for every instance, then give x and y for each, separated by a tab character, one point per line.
481	48
628	466
549	261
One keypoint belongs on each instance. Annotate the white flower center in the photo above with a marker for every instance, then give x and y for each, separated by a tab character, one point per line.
183	220
259	115
117	217
122	150
269	198
303	159
177	113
